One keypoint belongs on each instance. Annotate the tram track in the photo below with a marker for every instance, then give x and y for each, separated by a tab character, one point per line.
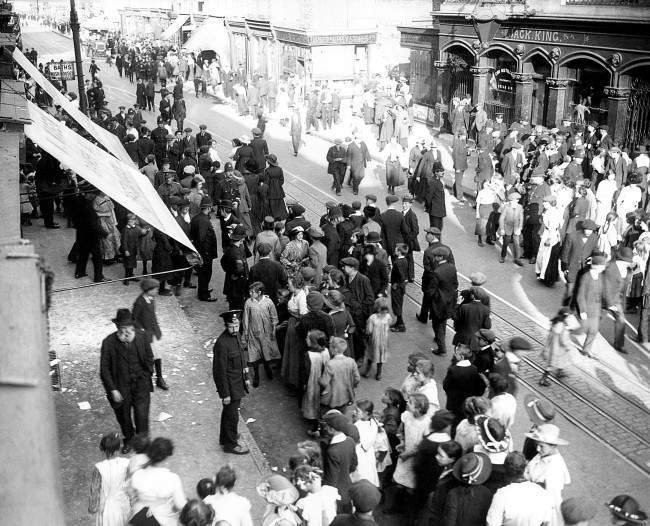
588	413
631	445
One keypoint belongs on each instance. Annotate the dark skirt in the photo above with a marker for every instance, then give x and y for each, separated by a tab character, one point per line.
277	209
552	273
294	349
393	173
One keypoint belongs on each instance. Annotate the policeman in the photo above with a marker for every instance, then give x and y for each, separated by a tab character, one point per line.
230	373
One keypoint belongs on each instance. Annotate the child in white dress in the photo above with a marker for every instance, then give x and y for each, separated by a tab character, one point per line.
368	428
318	506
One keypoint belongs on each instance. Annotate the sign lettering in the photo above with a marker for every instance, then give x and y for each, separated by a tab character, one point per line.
62	70
541	35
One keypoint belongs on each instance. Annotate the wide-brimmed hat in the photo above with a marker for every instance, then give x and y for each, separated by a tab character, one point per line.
627	508
473	469
548	434
272	159
315	232
492	434
244	139
540	411
123	317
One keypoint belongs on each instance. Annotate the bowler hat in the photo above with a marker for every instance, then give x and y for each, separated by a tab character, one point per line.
226	204
473	469
123	318
206	202
373	237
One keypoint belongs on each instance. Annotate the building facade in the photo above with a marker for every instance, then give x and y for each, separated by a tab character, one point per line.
544	60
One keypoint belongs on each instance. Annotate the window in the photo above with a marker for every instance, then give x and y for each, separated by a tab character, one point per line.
422	87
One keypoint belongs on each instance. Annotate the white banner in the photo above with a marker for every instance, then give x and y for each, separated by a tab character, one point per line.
108	140
118	180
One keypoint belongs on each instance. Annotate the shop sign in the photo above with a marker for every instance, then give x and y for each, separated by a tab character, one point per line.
289	36
61	70
542	35
343	40
504	81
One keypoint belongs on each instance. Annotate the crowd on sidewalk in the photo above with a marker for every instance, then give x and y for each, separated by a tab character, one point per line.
318	303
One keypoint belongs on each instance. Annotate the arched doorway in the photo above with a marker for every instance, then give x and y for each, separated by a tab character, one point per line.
540	68
637	130
457	79
585	97
501	85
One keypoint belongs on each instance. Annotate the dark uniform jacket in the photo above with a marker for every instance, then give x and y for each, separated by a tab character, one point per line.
470	317
203	236
393	229
228	364
145	147
443	289
144	314
234	264
114	364
362	297
203	138
411	231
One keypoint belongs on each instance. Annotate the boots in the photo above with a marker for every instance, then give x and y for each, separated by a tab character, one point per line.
256	374
544	381
378	375
160	381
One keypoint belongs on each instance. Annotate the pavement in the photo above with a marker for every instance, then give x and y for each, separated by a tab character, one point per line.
608	449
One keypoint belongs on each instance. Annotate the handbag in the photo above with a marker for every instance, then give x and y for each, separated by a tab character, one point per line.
143	518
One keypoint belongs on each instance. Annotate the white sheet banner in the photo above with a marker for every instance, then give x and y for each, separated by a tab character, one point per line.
110	141
118	180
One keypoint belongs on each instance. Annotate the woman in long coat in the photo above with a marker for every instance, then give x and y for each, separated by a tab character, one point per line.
294	345
546	264
161	262
253	184
296	130
393	165
274	179
459	154
105	210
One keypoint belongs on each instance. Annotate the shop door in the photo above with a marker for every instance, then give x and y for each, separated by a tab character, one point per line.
540	102
501	95
638	111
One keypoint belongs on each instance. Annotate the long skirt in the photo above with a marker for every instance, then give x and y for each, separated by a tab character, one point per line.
393	173
111	243
277	209
546	266
294	349
484	212
295	142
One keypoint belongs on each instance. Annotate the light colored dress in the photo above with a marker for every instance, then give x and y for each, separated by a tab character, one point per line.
161	491
430	390
377	329
106	212
628	201
319	509
230	507
552	220
293	255
557	351
311	399
552	474
114	505
367	463
260	317
414	431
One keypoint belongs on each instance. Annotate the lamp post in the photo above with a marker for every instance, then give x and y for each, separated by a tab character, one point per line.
74	25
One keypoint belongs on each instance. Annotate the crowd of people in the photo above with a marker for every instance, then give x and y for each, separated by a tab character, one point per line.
316	302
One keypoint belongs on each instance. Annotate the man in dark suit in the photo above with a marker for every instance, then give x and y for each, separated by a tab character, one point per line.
336	165
393	229
230	374
189	143
331	237
269	272
88	238
411	231
590	298
204	238
356	159
434	197
472	315
203	138
234	264
126	366
617	280
443	290
362	300
146	146
159	138
260	149
429	263
144	316
576	251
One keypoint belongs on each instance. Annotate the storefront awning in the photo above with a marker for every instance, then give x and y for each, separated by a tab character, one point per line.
212	35
173	28
119	180
101	135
